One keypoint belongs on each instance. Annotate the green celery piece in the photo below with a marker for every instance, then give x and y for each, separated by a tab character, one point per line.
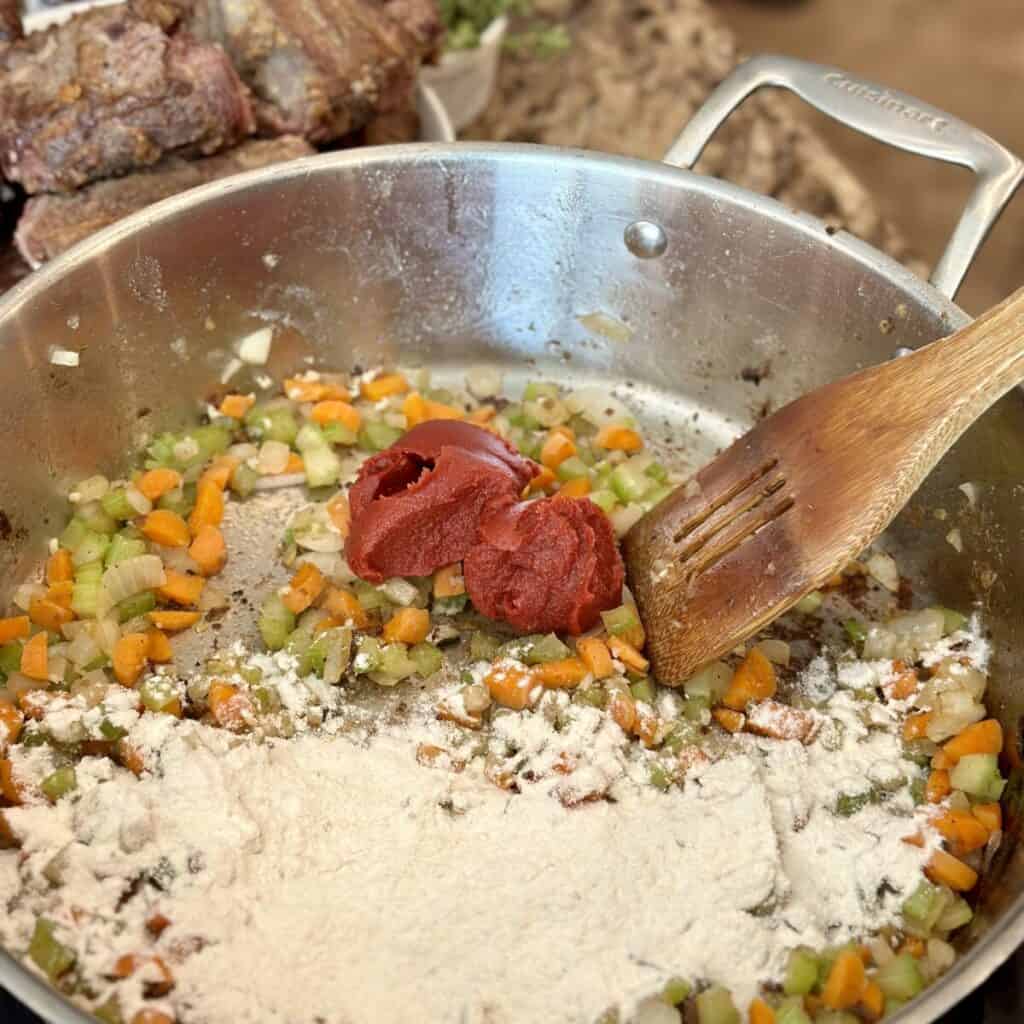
483	647
427	658
545	648
801	972
656	495
715	1006
375	436
629	483
539	389
809	603
180	500
605	500
10	658
212	439
791	1011
266	699
323	467
338	433
309	436
848	804
450	605
112	732
243	480
91	572
109	1012
396	662
132	607
73	535
855	630
657	472
659	776
59	783
955	915
52	957
156	693
122	548
573	468
694	708
595	696
276	623
369	655
620	620
116	504
676	991
900	978
84	597
952	620
96	519
643	689
92	549
369	596
978	776
161	451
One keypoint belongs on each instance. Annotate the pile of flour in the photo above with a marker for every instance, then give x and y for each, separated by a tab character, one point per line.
332	877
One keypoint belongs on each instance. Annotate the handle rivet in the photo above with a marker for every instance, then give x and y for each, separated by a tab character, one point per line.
645	239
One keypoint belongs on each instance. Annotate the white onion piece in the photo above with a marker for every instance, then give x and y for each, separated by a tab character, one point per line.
273	483
483	381
244	451
83	648
138	500
107	632
597	406
313	530
273	457
26	593
72	630
56	666
655	1011
400	591
177	559
254	348
132	576
623	519
140	624
883	568
328	562
92	687
17	684
186	449
776	651
941	955
212	597
91	489
955	540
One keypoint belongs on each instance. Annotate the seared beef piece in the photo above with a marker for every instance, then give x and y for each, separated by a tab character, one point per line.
317	68
420	17
52	223
10	21
108	92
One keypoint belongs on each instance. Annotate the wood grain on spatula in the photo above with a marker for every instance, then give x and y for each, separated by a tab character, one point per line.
791	502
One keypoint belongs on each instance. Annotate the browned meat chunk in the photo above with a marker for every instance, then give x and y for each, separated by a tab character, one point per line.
108	92
10	21
52	223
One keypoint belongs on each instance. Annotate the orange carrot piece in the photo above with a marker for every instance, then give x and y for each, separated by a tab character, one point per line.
962	829
158	648
219	472
129	657
383	386
148	1016
407	626
761	1013
294	464
48	614
511	686
916	726
938	787
11	721
565	674
906	683
415	409
577	488
208	550
622	708
300	390
729	720
753	680
344	606
340	514
483	414
873	1000
945	869
61	593
236	406
9	788
181	588
229	707
35	658
131	757
917	839
941	761
846	982
628	654
914	946
126	966
981	738
155	483
209	506
162	526
990	815
305	587
541	482
556	449
449	581
59	567
595	655
171	622
617	438
14	628
334	411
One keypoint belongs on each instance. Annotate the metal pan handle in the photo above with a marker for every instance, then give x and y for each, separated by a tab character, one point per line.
888	115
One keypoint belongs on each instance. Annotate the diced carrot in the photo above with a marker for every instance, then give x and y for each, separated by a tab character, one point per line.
761	1013
407	626
565	430
511	686
576	488
990	815
981	738
236	406
962	829
11	721
340	514
449	581
149	1016
219	472
541	482
628	654
9	788
595	655
155	483
181	588
229	707
556	449
729	720
294	464
647	727
61	593
619	439
418	410
157	924
129	657
300	390
383	386
622	708
162	526
159	647
906	683
846	981
131	757
941	761
126	966
945	869
208	550
873	1000
564	674
59	567
48	614
483	414
34	658
917	839
916	726
173	621
938	787
14	628
813	1004
335	411
753	680
344	606
914	946
305	587
209	507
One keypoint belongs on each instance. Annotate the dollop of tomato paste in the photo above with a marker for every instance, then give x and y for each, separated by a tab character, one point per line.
546	566
417	505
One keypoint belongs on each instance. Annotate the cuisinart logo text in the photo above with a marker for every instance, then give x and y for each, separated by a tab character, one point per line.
885	100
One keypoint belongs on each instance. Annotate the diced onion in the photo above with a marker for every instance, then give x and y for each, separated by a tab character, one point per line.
177	559
92	687
91	489
132	576
776	651
56	666
941	955
186	449
16	685
400	591
273	483
313	530
483	381
623	519
26	593
597	406
328	562
883	568
83	648
955	540
138	500
273	457
107	633
244	451
254	348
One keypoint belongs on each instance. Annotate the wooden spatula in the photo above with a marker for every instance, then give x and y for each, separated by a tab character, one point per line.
794	500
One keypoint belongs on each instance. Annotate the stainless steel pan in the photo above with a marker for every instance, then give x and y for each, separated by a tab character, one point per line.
456	255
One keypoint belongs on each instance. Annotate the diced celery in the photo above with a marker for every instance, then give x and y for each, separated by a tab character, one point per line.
656	495
96	518
161	451
919	790
442	395
545	648
659	776
10	658
91	572
370	597
925	906
375	436
643	690
605	500
266	699
594	696
180	500
952	620
892	1007
316	655
450	605
52	957
620	620
59	783
300	642
131	607
275	424
791	1011
243	480
121	548
73	535
531	445
657	472
92	549
629	483
338	433
978	776
539	389
572	468
109	1012
809	603
900	978
676	991
955	915
323	467
116	504
309	436
801	972
276	623
710	682
401	591
855	630
84	598
483	647
715	1006
427	658
395	662
157	694
212	439
848	804
369	655
695	709
112	732
514	414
